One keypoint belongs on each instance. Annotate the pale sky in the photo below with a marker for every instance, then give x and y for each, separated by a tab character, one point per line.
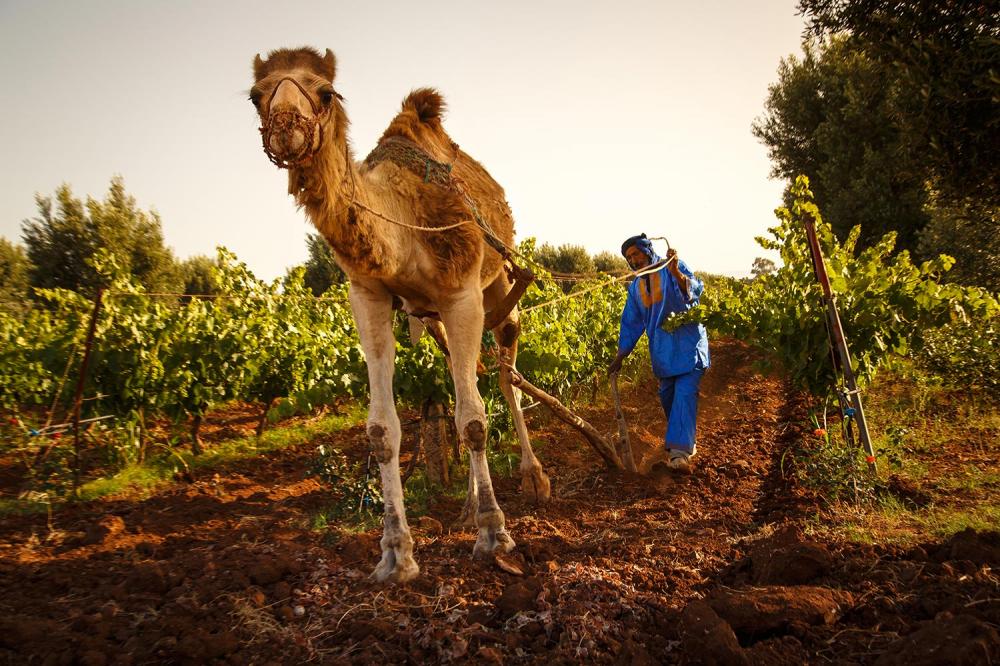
600	119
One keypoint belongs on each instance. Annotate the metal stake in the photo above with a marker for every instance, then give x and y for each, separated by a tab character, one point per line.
841	355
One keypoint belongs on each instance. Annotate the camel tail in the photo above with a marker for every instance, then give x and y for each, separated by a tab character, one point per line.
427	103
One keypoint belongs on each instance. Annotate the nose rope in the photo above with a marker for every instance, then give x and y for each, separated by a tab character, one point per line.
288	122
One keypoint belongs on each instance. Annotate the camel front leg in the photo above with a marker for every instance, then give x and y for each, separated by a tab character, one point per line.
534	482
372	309
463	320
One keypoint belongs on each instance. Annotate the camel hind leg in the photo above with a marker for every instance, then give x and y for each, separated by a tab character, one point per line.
437	331
463	321
535	483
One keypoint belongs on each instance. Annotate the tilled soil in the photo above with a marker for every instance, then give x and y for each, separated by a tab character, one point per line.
710	567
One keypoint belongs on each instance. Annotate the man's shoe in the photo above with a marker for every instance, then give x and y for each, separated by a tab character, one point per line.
679	461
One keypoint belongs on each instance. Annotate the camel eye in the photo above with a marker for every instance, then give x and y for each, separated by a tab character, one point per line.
255	98
326	96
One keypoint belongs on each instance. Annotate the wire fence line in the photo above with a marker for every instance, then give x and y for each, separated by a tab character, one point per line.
555	276
578	277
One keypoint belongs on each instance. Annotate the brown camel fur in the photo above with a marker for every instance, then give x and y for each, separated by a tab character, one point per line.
365	211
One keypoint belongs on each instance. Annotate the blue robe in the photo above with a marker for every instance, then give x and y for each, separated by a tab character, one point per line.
679	357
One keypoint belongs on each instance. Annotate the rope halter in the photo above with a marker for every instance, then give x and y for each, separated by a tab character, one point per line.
289	121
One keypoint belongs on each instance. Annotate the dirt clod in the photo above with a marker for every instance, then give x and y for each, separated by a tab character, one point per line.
959	640
106	528
709	639
356	548
430	526
518	596
970	545
489	655
149	577
759	612
786	558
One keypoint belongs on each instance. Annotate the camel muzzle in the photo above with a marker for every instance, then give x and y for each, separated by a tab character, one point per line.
290	139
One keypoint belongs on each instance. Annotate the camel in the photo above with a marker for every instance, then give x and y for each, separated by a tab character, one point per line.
377	216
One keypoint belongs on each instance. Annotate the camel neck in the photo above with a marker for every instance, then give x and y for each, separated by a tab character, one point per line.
334	194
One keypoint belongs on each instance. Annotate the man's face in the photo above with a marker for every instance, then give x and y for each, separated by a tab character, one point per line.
636	258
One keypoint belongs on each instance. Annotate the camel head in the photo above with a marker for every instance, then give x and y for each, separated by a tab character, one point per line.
294	96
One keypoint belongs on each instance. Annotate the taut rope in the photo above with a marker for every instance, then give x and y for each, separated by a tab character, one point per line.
410	156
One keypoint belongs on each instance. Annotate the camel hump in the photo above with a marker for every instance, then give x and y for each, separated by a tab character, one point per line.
427	103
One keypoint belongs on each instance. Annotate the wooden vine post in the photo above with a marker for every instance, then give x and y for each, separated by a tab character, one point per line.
78	396
434	433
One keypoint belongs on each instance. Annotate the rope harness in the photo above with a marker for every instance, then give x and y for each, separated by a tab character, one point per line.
405	153
408	155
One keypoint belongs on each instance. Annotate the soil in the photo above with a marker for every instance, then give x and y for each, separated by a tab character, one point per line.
708	567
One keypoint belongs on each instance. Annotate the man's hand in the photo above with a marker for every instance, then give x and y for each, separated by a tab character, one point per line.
673	265
616	365
672	262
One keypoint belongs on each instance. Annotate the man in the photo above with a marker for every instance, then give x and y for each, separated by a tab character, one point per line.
679	357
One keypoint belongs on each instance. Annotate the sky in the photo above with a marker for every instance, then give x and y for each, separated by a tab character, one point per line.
600	119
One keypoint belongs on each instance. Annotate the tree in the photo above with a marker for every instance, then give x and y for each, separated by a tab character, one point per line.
14	269
67	233
609	262
566	259
763	266
831	116
942	57
322	271
547	255
967	231
198	275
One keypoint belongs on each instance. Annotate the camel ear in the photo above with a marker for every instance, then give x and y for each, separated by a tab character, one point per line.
330	65
258	67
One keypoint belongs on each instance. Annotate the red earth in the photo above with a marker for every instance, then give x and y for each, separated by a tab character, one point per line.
711	567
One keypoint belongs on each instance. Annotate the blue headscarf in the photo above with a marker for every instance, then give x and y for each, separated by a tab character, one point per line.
644	244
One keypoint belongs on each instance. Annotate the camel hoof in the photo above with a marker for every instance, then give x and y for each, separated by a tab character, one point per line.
535	485
395	568
492	542
493	536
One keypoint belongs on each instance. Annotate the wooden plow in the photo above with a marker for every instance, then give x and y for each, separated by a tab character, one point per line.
624	444
615	457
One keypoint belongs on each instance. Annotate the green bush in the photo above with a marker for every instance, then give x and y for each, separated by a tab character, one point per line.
965	354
